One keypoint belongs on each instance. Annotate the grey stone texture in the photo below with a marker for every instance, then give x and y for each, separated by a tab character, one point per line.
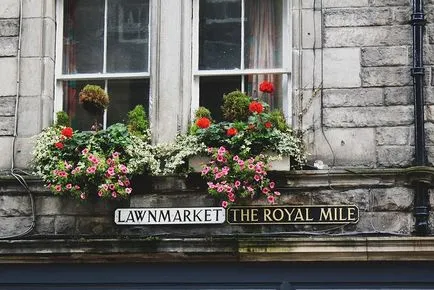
9	27
385	76
384	56
358	97
8	46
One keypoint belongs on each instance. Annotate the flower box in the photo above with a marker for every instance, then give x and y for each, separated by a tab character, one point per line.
196	162
283	164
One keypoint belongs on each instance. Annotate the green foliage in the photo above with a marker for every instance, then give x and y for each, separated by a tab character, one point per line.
138	121
236	106
202	112
94	99
278	120
62	119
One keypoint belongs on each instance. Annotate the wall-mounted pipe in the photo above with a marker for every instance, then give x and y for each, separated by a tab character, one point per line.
421	199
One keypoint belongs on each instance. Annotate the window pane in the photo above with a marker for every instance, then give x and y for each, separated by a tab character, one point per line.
83	36
275	99
263	34
124	96
127	36
80	119
212	90
219	34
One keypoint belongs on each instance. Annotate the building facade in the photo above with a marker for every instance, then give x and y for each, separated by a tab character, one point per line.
354	76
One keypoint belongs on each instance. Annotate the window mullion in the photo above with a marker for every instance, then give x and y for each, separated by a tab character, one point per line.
242	44
104	118
104	66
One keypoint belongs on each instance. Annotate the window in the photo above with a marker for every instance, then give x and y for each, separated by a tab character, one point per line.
105	43
238	44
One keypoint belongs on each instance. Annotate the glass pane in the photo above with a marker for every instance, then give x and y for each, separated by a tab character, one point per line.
263	34
212	90
83	36
127	36
124	96
80	119
274	99
219	34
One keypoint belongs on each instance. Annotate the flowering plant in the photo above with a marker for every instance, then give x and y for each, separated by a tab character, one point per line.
233	179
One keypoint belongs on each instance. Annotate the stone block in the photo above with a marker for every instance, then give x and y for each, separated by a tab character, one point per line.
429	133
96	226
23	152
29	108
368	116
385	56
392	135
8	46
344	3
341	67
7	126
50	9
398	95
311	28
357	97
385	222
6	146
359	197
8	76
344	147
388	3
392	199
402	15
7	106
169	200
10	226
367	36
395	156
64	225
428	54
47	112
15	205
48	205
386	76
31	77
49	43
9	9
311	70
31	45
33	8
9	27
357	17
44	225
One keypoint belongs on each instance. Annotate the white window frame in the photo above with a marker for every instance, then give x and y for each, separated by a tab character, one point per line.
284	71
60	77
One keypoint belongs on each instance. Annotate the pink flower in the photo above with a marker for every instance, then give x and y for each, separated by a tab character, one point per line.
277	193
236	158
251	166
220	189
91	169
58	187
220	158
114	195
120	183
218	175
224	204
240	162
105	186
265	190
111	187
270	199
77	187
84	151
209	149
272	184
257	177
115	154
69	186
237	183
83	195
99	193
231	198
127	182
128	190
205	170
250	189
221	150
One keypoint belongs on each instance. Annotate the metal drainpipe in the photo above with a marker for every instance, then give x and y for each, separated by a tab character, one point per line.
421	199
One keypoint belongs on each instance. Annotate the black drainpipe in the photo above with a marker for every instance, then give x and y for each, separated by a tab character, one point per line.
421	199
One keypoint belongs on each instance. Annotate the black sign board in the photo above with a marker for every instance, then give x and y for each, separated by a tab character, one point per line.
313	214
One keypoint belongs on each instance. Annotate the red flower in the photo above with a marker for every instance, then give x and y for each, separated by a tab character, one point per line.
59	145
256	107
203	122
268	125
266	87
231	132
67	132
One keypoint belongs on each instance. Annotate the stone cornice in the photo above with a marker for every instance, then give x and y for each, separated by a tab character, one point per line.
218	250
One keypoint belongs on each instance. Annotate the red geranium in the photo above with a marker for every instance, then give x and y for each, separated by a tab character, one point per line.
266	87
256	107
59	145
67	132
231	132
268	125
203	122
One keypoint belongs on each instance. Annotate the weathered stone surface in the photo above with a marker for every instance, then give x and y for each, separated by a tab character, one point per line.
341	67
311	28
390	222
352	97
64	225
31	108
360	197
49	43
393	135
31	44
11	205
48	205
6	146
8	46
368	116
7	106
31	76
9	27
44	225
402	15
385	76
10	226
344	147
398	95
395	156
95	226
367	36
8	75
385	56
388	2
9	8
6	126
429	133
181	200
357	17
311	70
344	3
392	199
23	152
